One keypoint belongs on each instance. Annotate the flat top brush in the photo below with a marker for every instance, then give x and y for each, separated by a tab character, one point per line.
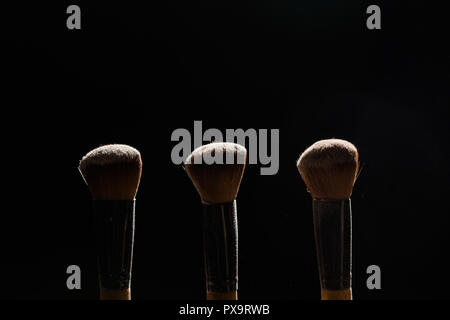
218	185
112	173
329	170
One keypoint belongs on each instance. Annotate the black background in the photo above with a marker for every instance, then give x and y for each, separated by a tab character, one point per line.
134	73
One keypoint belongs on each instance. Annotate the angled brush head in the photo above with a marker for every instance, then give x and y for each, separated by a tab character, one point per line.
112	172
329	169
217	183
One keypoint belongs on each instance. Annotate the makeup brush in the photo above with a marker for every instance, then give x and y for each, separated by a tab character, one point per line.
112	173
329	170
216	171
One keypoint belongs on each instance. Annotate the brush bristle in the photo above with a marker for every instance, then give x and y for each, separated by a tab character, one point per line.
329	169
112	172
217	183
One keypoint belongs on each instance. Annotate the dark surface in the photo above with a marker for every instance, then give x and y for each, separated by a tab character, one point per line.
135	73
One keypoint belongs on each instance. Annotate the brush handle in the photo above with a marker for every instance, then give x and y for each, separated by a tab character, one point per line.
115	294
220	245
345	294
114	229
333	236
232	295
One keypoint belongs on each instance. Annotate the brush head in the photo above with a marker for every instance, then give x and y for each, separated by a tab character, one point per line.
112	172
217	183
329	169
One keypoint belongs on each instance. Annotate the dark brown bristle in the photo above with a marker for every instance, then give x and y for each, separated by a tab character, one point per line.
217	183
329	168
112	172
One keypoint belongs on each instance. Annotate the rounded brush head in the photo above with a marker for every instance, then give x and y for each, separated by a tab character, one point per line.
217	183
112	172
329	168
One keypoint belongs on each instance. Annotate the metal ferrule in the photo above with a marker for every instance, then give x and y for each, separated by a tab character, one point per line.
220	245
333	236
114	229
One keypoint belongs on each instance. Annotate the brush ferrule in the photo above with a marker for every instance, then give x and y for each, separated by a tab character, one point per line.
114	229
220	244
333	236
